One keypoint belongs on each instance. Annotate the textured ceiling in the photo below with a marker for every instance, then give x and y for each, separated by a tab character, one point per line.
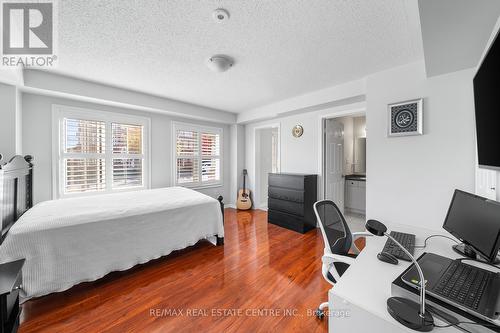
282	48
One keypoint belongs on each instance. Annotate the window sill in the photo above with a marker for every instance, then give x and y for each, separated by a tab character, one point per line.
201	187
94	193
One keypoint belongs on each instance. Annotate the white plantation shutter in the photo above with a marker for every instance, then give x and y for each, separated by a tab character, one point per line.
187	143
101	154
197	155
84	155
127	172
187	148
210	157
210	144
210	169
127	155
85	174
187	171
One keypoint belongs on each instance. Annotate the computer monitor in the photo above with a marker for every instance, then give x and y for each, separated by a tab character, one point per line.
476	222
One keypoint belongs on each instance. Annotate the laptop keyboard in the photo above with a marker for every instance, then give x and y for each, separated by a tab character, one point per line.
407	240
463	284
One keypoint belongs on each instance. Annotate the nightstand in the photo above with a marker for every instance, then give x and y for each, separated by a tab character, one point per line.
10	284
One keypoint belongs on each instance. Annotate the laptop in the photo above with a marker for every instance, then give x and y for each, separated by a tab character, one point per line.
460	284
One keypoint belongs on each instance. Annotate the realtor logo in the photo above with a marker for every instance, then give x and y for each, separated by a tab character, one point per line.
28	33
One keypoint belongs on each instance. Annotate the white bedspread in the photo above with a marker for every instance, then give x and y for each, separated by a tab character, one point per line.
69	241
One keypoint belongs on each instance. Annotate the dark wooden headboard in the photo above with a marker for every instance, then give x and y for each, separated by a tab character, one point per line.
16	191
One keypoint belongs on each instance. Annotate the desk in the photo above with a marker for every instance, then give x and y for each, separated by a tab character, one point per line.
357	303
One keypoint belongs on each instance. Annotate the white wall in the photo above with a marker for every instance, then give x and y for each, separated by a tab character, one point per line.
411	180
454	32
296	154
237	146
301	155
11	75
336	95
19	122
9	115
49	83
37	141
265	161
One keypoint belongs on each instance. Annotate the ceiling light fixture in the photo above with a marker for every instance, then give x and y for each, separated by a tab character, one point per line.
220	15
219	63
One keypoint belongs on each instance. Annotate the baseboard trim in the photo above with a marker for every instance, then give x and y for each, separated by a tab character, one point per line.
354	211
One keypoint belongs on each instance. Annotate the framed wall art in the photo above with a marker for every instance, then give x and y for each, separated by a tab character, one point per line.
406	118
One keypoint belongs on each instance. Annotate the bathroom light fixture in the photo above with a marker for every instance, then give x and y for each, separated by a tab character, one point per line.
219	63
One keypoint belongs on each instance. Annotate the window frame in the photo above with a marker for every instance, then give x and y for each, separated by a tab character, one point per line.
199	129
59	112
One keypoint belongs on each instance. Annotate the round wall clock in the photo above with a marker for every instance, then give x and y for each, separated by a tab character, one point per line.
297	131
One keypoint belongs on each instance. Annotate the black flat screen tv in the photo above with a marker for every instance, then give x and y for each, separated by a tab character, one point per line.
487	108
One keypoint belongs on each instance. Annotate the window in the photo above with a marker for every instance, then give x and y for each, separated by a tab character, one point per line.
127	155
98	152
198	155
84	159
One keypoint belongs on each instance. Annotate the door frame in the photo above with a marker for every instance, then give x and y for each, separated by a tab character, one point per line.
257	199
321	129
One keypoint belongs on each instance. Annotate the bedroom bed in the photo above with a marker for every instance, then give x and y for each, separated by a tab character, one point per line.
69	241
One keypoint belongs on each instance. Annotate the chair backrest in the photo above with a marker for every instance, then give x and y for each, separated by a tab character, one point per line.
333	226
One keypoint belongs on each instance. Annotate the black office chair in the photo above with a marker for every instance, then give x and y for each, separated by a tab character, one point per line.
338	241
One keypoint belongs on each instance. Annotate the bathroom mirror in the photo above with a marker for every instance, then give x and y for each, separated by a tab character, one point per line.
360	155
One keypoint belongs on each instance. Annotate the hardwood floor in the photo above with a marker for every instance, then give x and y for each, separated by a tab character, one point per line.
265	278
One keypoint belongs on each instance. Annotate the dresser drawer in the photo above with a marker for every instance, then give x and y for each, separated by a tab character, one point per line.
285	194
289	221
288	181
286	206
290	200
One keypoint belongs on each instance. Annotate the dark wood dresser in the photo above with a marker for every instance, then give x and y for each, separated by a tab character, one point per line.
290	201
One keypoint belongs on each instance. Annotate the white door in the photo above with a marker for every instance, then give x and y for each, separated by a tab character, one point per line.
275	150
334	180
266	164
486	183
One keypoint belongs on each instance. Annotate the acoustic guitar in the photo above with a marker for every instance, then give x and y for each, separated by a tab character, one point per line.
244	202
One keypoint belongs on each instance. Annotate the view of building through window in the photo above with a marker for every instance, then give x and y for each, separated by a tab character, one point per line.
85	160
85	148
198	157
127	140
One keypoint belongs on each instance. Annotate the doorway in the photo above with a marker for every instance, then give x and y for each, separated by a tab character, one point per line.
344	166
334	168
267	160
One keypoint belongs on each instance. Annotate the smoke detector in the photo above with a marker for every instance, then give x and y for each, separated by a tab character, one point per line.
220	15
219	63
